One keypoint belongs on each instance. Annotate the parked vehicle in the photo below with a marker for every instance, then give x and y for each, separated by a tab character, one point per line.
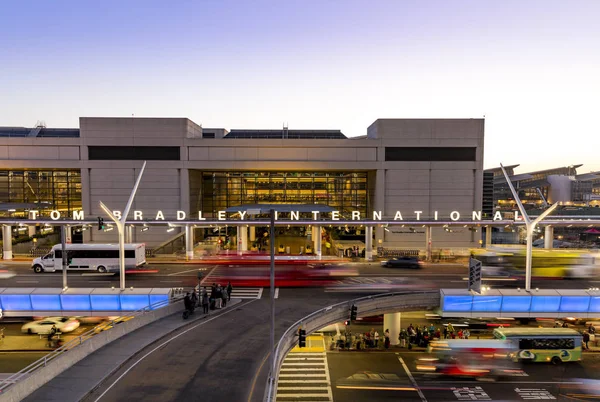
63	324
402	262
90	257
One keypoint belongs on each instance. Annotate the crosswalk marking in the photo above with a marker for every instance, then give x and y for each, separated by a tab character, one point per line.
247	293
304	376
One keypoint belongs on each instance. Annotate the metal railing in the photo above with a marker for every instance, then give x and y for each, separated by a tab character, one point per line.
367	305
42	362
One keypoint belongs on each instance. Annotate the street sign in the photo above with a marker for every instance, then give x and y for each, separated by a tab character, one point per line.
474	275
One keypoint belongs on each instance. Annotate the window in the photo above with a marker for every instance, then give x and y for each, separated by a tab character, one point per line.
134	153
547	343
430	154
208	135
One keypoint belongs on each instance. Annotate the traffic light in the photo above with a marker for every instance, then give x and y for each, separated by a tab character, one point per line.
474	275
100	223
353	313
301	338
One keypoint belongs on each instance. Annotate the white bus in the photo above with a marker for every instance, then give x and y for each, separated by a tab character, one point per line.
90	257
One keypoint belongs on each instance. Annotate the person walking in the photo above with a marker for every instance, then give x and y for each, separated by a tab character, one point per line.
205	301
376	339
451	330
386	341
229	289
445	332
194	298
402	337
224	296
586	339
466	333
218	296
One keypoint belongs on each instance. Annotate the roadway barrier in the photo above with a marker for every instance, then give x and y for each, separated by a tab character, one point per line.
20	385
366	306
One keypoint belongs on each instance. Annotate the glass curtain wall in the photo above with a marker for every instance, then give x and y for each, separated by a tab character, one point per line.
48	189
344	191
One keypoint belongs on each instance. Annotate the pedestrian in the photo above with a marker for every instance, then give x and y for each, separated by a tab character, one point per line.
402	337
51	335
431	330
460	334
229	289
205	301
224	297
565	325
466	333
586	339
376	337
437	334
451	330
592	329
194	298
445	332
386	342
187	301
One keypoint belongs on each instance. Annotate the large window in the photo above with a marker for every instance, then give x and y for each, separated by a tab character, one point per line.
47	189
134	153
344	191
547	343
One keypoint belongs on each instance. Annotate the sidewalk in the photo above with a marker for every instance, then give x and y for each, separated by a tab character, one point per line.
76	382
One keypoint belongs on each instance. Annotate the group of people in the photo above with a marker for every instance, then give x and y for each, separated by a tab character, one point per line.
216	299
368	340
421	336
589	335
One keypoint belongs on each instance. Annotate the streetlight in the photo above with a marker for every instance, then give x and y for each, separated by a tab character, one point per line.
121	226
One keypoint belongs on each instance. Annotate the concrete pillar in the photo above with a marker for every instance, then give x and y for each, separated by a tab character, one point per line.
488	236
244	231
369	243
379	205
7	243
30	230
316	235
239	230
189	242
428	243
393	322
129	234
549	237
252	230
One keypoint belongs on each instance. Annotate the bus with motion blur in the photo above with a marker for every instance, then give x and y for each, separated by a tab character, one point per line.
554	345
90	257
481	359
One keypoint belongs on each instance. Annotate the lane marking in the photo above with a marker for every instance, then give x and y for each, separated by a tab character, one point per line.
165	343
412	379
27	281
276	293
189	270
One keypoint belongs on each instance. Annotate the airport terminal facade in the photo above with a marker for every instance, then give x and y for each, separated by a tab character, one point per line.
421	167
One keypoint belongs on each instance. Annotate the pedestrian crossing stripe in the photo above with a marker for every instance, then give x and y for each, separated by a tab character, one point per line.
304	374
247	293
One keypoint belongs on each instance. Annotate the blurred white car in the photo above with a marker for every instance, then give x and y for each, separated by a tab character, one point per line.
63	324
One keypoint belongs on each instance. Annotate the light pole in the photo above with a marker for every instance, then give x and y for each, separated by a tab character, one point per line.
530	226
272	244
121	226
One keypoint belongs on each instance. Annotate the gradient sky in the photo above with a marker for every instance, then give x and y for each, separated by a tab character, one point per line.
531	67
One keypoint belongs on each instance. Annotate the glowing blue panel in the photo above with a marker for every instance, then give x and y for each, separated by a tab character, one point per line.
76	302
487	303
577	304
105	302
45	302
16	302
595	304
163	299
545	304
134	302
457	303
519	304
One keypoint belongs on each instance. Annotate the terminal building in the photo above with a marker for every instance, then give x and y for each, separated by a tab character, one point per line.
417	168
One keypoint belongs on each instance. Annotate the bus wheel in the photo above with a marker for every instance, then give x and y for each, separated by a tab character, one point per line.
556	360
102	269
38	269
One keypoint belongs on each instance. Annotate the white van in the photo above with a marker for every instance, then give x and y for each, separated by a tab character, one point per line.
90	257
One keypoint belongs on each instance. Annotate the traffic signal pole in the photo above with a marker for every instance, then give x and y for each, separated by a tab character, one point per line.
65	262
272	244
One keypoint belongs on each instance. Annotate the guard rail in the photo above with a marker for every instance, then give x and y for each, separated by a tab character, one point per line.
370	305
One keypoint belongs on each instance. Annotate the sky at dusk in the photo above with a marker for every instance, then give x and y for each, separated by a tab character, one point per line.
532	68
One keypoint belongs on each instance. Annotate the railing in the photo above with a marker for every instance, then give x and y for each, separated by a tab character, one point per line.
39	251
42	362
366	305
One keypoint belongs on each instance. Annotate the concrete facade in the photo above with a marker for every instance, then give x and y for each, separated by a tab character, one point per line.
405	186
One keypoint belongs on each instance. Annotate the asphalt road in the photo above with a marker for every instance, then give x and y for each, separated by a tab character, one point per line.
224	361
542	382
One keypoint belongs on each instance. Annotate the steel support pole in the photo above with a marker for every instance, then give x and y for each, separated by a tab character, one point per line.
121	230
65	262
529	258
428	243
272	244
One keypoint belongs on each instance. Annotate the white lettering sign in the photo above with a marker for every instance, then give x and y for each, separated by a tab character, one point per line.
454	215
418	213
33	214
398	216
200	218
78	215
243	214
54	215
117	214
497	216
376	215
476	215
221	215
137	215
180	215
315	213
276	215
159	216
435	215
335	215
295	215
355	215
